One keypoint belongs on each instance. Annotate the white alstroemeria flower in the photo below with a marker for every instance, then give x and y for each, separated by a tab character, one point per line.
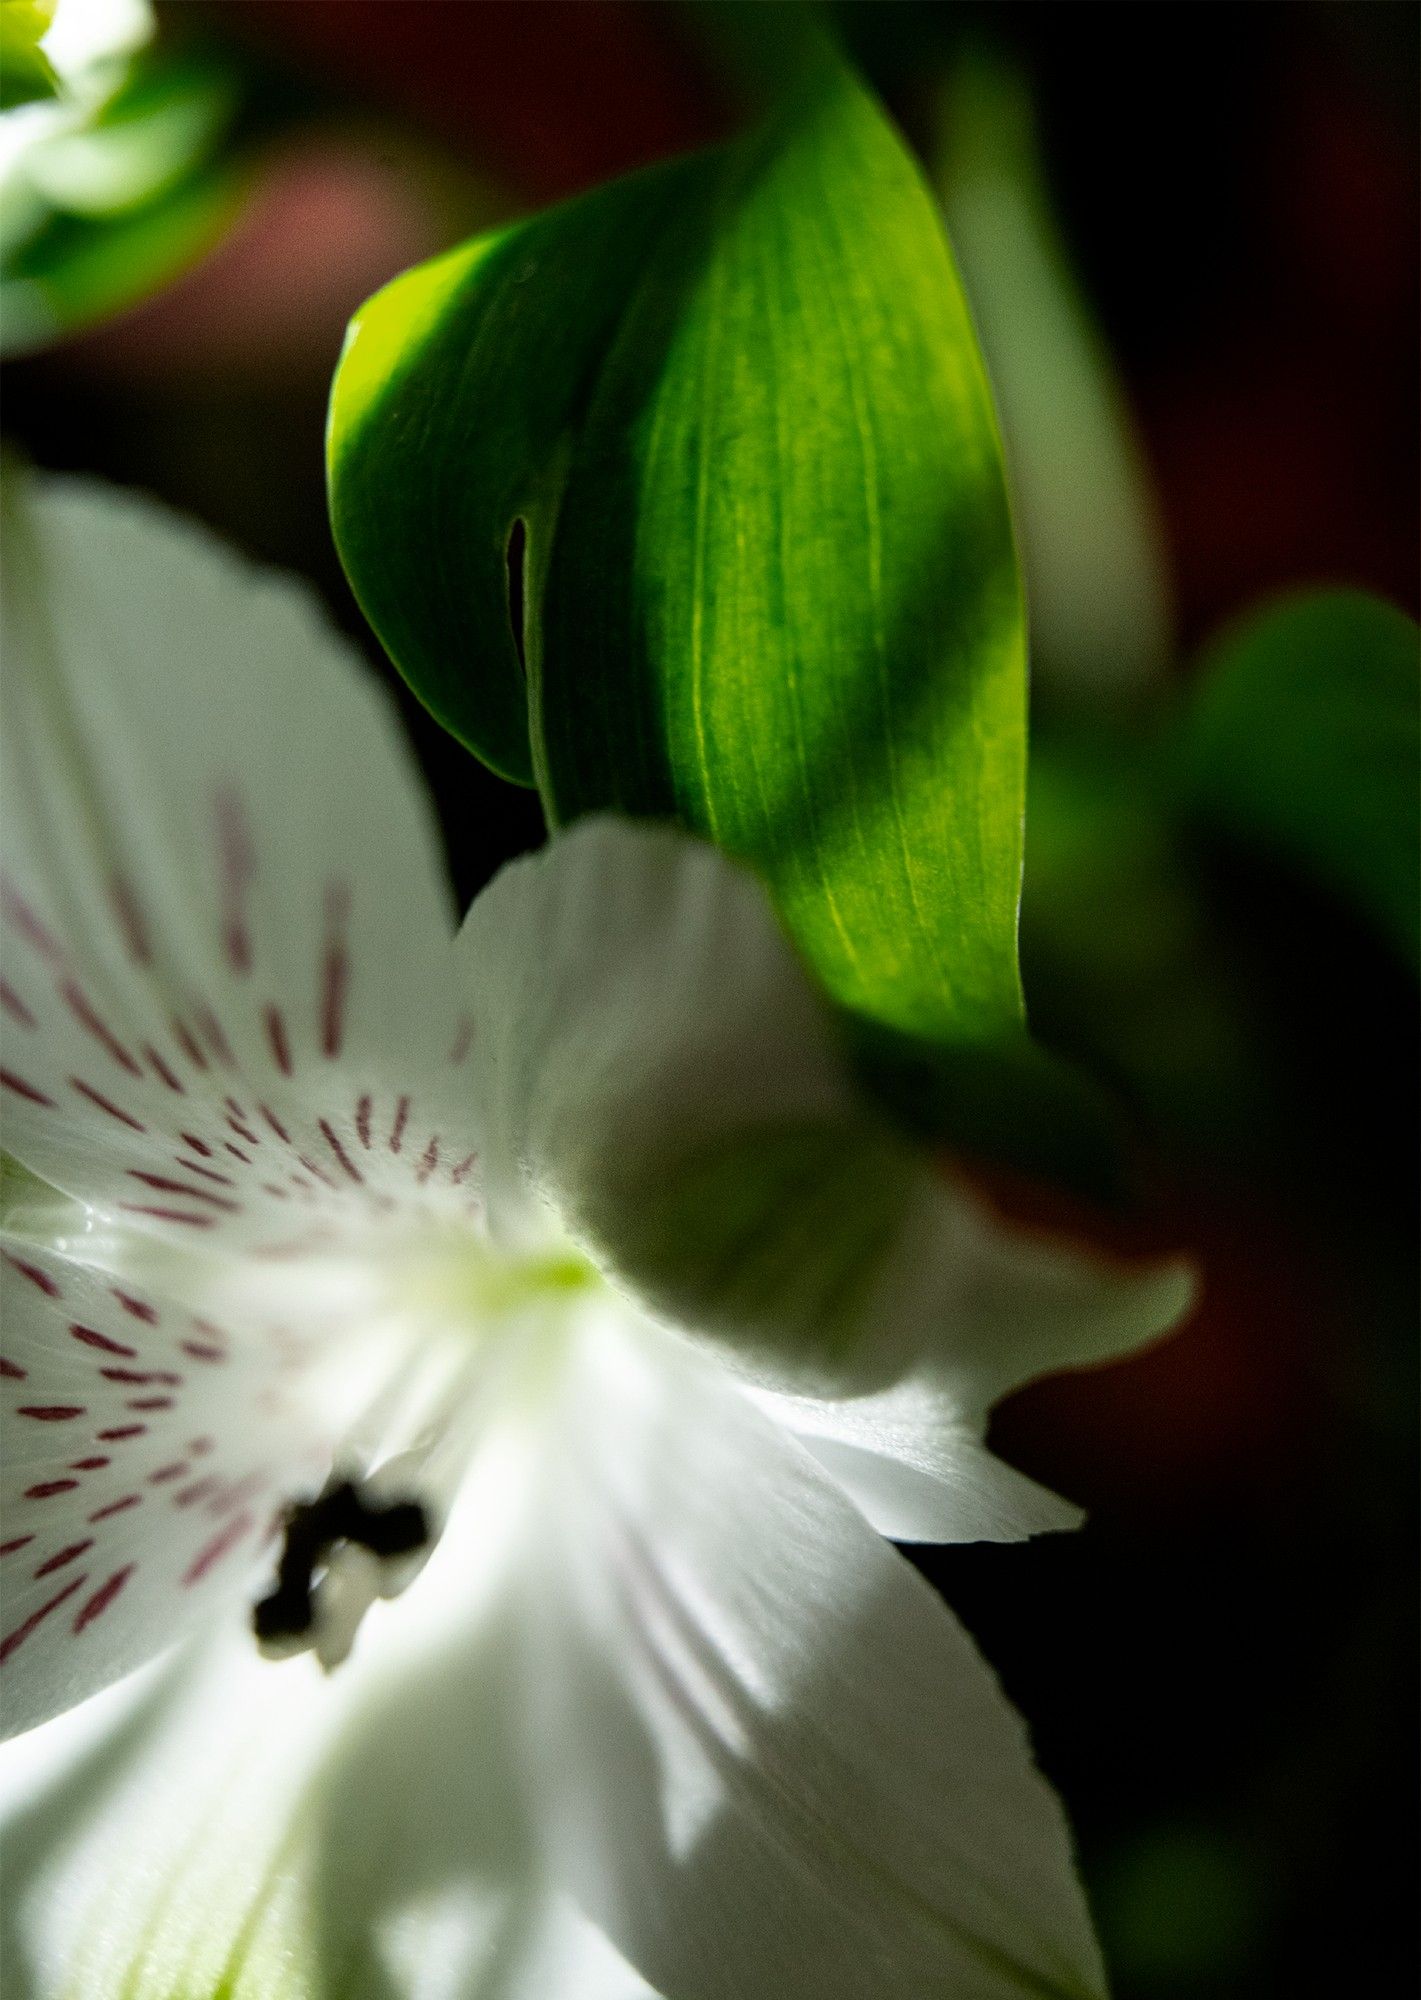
86	46
469	1221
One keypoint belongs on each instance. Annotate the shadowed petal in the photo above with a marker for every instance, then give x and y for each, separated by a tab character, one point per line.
657	1070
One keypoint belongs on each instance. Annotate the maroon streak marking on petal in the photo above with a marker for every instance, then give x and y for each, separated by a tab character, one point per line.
188	1496
347	1165
165	1473
22	1632
47	1488
131	924
276	1193
227	1538
244	1131
116	1507
138	1378
103	1597
150	1403
88	1464
428	1163
189	1043
319	1173
11	1370
138	1308
69	1555
199	1447
207	1173
105	1104
216	1035
161	1069
51	1413
397	1130
169	1215
237	1492
17	912
165	1185
237	1153
122	1431
464	1169
238	866
463	1040
275	1123
15	1542
335	968
199	1351
15	1007
91	1337
362	1120
35	1275
196	1145
335	979
82	1008
275	1022
23	1089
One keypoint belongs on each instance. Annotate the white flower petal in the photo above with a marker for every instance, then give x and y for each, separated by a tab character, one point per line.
911	1456
916	1471
227	1007
656	1069
657	1672
83	33
263	1831
774	1762
146	1454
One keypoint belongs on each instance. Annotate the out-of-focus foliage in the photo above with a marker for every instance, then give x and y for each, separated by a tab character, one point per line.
112	179
1303	735
1090	536
1118	947
769	589
26	73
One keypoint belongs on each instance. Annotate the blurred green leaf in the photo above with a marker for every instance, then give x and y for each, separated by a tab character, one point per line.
161	123
1303	734
736	407
1090	535
26	73
108	206
79	270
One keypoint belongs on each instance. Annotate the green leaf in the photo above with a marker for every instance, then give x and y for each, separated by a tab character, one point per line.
1303	734
26	73
769	589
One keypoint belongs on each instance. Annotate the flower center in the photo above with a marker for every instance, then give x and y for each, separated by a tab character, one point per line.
457	1344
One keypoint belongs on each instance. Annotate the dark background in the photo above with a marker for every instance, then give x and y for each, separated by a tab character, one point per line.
1219	1672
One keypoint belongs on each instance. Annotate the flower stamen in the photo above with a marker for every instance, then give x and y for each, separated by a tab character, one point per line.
316	1535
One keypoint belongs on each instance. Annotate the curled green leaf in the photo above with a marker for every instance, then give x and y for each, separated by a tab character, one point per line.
720	436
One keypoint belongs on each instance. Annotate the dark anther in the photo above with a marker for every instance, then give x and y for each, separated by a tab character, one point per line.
312	1530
